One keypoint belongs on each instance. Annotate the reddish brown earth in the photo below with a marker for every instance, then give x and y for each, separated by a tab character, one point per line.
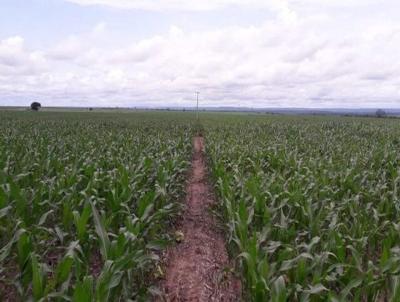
198	268
8	291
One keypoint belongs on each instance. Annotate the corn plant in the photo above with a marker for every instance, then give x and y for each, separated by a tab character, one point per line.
311	205
85	202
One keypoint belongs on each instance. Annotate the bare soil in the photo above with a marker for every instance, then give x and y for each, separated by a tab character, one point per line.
198	268
8	291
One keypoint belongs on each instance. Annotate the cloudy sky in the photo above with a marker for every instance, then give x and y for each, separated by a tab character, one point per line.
256	53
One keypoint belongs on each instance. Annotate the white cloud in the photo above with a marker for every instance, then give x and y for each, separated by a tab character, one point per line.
188	5
293	60
207	5
280	6
11	51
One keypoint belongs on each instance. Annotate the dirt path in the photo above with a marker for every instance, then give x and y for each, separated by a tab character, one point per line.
197	267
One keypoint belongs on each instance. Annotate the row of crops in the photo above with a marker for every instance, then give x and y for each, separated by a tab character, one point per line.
85	202
311	205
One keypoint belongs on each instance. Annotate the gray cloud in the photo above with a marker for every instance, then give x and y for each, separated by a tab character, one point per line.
293	60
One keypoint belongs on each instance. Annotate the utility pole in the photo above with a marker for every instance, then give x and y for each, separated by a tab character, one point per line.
197	108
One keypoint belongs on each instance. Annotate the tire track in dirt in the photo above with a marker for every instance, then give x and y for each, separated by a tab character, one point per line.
197	267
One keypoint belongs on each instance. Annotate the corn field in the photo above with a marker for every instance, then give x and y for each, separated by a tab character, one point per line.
85	200
311	205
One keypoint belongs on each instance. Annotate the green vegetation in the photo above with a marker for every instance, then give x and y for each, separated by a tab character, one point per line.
85	199
311	205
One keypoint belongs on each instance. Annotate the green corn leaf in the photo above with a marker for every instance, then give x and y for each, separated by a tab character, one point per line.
84	290
43	218
395	296
109	278
4	211
101	233
316	289
24	248
82	220
279	291
349	287
38	279
63	269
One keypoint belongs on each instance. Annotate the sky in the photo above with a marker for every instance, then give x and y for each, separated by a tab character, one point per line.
242	53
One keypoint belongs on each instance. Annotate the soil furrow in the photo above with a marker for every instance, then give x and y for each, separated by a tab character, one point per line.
198	268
